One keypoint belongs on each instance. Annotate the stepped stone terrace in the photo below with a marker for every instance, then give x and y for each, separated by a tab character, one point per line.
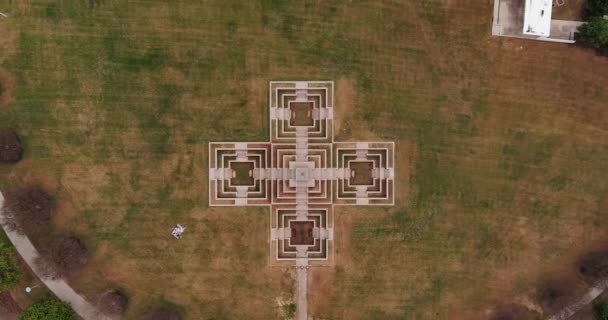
301	173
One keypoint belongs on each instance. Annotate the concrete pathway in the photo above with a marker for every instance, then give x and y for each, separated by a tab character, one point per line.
59	287
302	291
596	290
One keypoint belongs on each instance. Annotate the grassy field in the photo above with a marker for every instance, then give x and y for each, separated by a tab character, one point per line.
501	146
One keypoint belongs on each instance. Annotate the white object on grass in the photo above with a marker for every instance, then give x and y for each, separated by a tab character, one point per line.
177	231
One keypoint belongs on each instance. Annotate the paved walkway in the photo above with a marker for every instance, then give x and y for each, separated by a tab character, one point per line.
302	291
597	289
59	287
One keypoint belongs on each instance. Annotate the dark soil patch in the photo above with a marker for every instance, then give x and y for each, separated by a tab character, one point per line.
11	150
6	87
594	266
8	304
514	312
163	313
63	257
557	294
362	172
113	302
301	233
28	209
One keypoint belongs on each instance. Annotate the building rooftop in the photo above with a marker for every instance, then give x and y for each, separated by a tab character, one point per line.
537	17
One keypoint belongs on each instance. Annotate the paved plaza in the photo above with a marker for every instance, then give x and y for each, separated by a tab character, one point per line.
301	174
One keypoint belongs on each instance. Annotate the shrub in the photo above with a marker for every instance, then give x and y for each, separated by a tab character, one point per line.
163	313
596	8
48	309
63	257
594	266
290	310
594	32
601	311
10	146
27	209
9	271
113	302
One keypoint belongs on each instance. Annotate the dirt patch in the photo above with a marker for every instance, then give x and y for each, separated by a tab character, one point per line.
570	10
6	87
9	309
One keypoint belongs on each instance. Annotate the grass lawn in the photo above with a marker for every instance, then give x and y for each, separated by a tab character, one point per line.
501	148
242	175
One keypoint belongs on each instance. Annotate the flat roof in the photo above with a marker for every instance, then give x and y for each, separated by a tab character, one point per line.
537	17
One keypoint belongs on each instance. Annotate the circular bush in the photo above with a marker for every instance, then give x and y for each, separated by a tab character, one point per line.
601	311
113	302
28	208
10	146
63	257
48	309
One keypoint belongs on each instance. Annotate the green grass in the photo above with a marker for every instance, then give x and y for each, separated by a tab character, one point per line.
116	102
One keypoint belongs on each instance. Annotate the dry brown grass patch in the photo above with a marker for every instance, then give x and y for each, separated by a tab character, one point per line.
7	83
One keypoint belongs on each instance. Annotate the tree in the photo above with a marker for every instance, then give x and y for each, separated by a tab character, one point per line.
596	8
10	146
9	271
164	313
63	257
601	311
594	32
28	208
48	309
113	302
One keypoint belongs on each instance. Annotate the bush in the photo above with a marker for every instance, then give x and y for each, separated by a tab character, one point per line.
290	310
10	146
48	309
594	32
164	313
27	209
9	272
594	266
113	303
601	311
596	8
63	257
